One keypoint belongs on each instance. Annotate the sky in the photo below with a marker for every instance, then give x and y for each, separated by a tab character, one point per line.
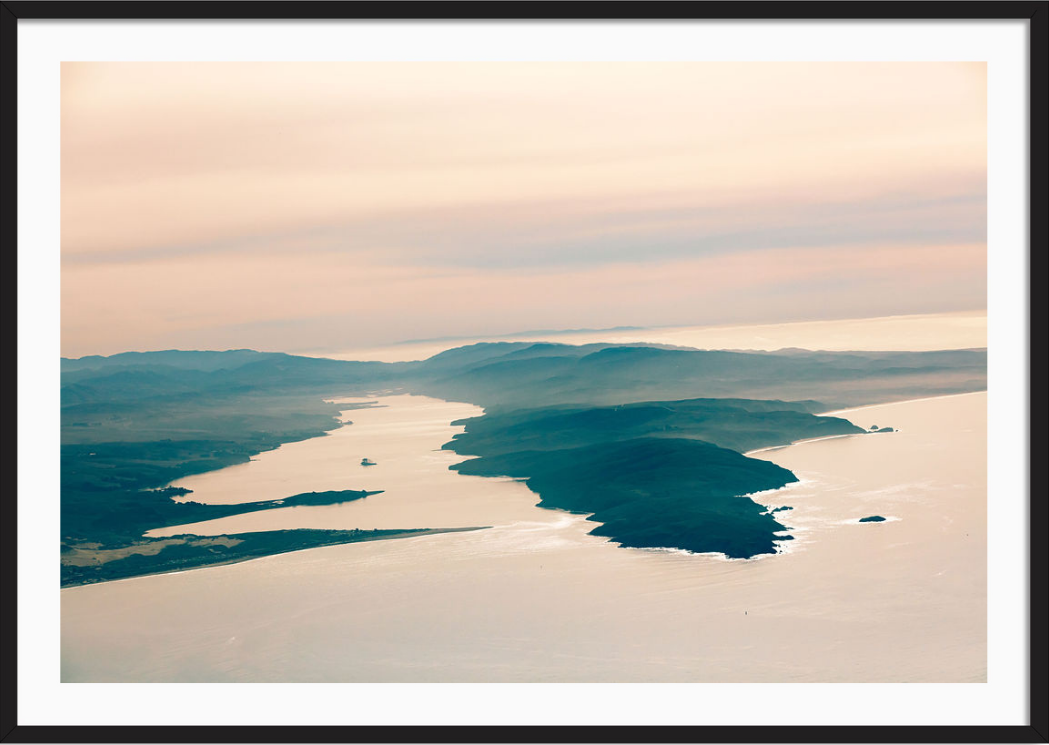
330	206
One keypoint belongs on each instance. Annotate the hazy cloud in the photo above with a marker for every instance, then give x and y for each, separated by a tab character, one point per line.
321	205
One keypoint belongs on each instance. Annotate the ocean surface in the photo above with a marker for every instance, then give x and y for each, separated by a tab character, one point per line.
534	598
911	333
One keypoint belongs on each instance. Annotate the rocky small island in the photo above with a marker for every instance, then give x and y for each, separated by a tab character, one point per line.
872	519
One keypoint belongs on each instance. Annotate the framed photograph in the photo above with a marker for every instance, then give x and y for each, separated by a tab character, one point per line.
526	372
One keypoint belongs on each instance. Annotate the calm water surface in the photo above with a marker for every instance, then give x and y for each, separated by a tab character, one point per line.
915	333
534	598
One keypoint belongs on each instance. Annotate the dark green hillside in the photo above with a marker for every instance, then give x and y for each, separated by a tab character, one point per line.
128	514
655	474
462	358
551	374
736	424
654	493
88	564
171	358
269	374
133	423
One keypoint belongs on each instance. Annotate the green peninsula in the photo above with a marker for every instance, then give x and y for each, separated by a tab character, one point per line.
658	474
654	492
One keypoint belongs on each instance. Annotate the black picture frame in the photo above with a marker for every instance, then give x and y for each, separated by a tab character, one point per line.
1037	15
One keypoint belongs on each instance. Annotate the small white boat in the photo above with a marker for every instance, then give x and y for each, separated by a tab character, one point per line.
366	462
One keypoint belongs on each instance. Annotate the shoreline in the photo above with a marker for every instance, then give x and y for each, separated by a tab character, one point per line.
838	412
409	533
787	546
799	442
903	401
793	545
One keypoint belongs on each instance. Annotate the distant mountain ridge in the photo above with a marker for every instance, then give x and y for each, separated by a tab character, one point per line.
514	374
181	359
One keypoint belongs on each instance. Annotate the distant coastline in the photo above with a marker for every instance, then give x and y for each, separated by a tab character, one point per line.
965	329
904	401
519	334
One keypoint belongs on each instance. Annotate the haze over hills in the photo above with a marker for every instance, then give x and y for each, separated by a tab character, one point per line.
512	375
134	422
185	360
